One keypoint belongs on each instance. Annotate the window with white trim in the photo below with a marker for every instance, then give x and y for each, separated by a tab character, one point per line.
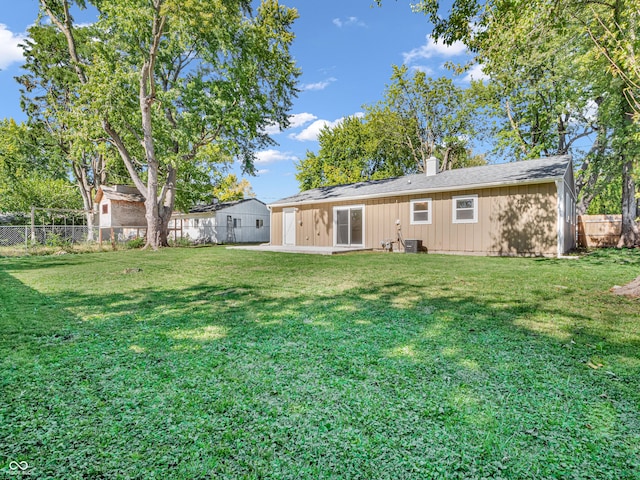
421	211
465	209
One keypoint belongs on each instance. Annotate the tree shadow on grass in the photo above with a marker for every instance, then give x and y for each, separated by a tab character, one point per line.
390	378
29	319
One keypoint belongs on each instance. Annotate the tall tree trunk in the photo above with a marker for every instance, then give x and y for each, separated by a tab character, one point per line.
630	234
166	202
147	98
154	227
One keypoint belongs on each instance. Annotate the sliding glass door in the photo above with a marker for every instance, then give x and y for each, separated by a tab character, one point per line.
349	225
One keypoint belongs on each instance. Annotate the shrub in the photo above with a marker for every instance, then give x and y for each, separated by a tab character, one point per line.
135	243
56	240
181	242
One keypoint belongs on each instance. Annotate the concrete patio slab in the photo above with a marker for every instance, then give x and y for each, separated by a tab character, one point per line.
298	249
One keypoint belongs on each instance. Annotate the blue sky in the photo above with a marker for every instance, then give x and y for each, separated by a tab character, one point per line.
345	49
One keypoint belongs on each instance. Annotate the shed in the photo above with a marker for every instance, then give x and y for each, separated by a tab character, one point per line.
518	208
241	221
120	206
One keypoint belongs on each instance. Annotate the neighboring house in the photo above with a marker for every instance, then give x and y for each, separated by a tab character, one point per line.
120	206
241	221
519	208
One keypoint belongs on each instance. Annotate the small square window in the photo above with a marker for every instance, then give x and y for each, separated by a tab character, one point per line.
236	223
465	209
105	208
259	223
421	211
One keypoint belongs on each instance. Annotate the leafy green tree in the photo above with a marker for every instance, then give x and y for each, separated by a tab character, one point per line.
542	104
49	89
608	200
353	151
434	116
228	188
170	81
32	172
419	117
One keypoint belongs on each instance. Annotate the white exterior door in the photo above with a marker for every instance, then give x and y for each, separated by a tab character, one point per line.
289	226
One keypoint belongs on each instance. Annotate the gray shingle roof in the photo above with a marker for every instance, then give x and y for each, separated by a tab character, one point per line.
213	207
529	171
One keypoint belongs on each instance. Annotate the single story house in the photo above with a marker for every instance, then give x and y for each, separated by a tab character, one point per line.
120	206
518	208
241	221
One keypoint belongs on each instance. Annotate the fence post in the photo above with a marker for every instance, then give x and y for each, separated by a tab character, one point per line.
26	239
33	224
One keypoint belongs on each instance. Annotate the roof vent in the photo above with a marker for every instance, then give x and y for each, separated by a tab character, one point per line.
431	166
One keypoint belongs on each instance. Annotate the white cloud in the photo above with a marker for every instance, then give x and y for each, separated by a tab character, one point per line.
475	73
272	129
348	22
10	52
305	87
300	119
311	133
271	156
262	172
296	120
434	49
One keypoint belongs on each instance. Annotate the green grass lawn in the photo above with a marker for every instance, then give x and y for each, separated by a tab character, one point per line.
215	363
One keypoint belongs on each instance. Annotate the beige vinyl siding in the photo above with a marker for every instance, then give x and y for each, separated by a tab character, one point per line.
517	220
276	226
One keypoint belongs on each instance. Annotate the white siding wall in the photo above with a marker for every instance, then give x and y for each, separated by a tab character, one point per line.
251	219
201	228
248	215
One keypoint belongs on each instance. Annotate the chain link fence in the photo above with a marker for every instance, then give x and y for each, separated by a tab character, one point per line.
26	239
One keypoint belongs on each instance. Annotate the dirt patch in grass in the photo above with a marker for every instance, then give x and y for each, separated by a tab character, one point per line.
631	289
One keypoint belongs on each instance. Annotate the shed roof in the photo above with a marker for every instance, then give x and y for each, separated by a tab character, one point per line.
119	192
530	171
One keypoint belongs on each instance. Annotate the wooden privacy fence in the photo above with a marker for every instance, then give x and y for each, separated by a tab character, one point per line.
599	230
